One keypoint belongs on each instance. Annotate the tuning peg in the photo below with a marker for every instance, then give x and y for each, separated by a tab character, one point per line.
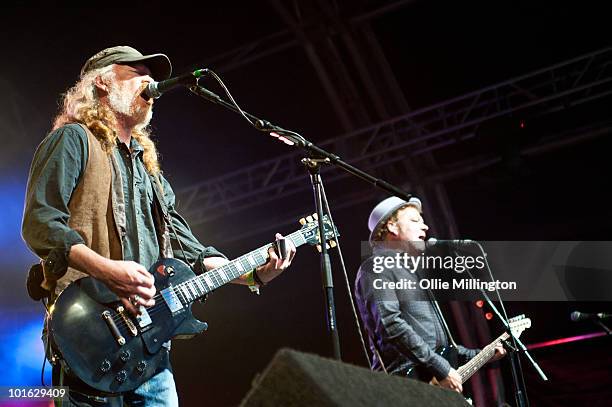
319	248
333	243
309	218
516	318
302	221
316	216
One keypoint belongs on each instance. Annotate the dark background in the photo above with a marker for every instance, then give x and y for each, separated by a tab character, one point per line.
437	50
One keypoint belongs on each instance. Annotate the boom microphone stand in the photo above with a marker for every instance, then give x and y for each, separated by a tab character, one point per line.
316	156
314	168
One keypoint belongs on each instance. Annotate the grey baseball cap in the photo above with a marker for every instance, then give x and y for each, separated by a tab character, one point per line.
159	64
385	209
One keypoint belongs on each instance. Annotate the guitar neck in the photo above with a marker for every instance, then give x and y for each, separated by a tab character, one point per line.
199	286
466	371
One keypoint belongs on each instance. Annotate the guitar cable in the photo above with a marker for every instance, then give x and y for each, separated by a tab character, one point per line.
47	344
48	351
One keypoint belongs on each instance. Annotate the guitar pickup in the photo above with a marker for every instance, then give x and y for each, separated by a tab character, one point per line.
144	319
172	300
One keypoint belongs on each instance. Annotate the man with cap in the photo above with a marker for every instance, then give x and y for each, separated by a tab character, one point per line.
95	203
404	324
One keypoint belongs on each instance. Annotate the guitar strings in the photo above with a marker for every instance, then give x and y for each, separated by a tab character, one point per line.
178	289
119	319
489	349
192	288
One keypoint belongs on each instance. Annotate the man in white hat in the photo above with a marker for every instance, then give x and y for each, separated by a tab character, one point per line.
404	323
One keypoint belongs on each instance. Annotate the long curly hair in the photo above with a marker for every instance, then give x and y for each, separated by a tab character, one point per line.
80	104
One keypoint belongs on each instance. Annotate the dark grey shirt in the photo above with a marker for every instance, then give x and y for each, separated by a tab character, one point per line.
59	161
402	324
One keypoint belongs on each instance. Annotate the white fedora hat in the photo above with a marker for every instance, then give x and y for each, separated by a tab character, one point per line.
386	208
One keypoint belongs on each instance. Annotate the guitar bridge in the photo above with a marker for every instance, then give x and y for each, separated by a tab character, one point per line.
127	320
108	318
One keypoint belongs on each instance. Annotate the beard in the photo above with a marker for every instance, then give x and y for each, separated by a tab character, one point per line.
127	105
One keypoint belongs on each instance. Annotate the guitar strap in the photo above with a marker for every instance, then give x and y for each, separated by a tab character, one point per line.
158	190
382	363
438	312
374	349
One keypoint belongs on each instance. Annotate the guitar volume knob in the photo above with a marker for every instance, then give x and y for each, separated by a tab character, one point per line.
121	376
125	355
105	366
141	366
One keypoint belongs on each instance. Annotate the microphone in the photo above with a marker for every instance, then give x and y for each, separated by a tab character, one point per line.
583	316
432	243
156	89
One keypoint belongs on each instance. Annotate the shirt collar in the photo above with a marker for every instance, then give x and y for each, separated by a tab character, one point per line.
135	147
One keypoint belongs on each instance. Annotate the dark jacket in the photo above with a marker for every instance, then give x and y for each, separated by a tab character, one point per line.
402	324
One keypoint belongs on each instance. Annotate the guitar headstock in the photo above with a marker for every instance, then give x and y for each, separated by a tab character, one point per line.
310	231
518	324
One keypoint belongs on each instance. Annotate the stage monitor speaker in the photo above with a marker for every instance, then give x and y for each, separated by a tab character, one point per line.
294	379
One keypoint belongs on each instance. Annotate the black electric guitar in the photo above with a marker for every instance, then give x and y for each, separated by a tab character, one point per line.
113	351
517	325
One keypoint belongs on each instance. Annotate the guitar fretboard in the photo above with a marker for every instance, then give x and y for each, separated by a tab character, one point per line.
197	287
466	371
